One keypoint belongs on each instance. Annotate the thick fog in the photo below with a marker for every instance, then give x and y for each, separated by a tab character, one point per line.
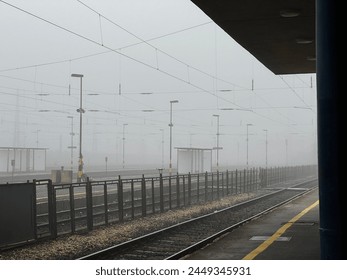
135	57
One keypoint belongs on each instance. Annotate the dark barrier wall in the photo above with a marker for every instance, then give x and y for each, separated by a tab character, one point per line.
17	213
331	93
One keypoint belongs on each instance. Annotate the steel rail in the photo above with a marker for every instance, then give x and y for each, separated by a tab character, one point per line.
131	243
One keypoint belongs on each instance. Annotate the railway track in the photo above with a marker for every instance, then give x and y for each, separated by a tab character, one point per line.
176	241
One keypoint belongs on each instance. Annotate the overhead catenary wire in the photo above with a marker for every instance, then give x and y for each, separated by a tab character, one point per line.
274	108
136	60
141	92
154	47
104	52
114	50
92	91
141	41
304	82
296	94
72	107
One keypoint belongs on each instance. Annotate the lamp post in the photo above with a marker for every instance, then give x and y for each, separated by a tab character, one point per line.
71	146
286	141
265	147
266	172
247	140
106	159
171	125
162	148
124	125
217	116
81	111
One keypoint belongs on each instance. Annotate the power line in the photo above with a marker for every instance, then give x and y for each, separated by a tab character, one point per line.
134	59
127	56
304	82
297	95
176	59
274	108
137	92
104	52
28	97
154	47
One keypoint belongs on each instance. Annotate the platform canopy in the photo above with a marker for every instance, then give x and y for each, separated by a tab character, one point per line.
194	160
19	159
279	33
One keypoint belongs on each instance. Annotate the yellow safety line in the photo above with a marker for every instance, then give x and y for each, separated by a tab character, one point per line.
262	247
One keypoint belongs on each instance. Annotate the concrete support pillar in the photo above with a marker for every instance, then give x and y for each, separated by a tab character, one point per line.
331	130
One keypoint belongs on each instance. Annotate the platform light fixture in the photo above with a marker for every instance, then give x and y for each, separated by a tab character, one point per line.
289	13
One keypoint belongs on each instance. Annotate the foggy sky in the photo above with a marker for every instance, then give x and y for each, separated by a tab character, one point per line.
202	67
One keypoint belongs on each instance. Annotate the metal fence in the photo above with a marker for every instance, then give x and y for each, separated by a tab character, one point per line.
78	207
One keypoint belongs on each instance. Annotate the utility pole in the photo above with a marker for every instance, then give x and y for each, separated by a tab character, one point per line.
80	110
266	131
171	125
247	140
124	125
71	145
217	116
162	148
286	152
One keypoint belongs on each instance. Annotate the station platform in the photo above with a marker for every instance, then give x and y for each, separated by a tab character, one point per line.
290	232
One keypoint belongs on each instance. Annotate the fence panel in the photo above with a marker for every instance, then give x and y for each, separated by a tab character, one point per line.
67	208
17	213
